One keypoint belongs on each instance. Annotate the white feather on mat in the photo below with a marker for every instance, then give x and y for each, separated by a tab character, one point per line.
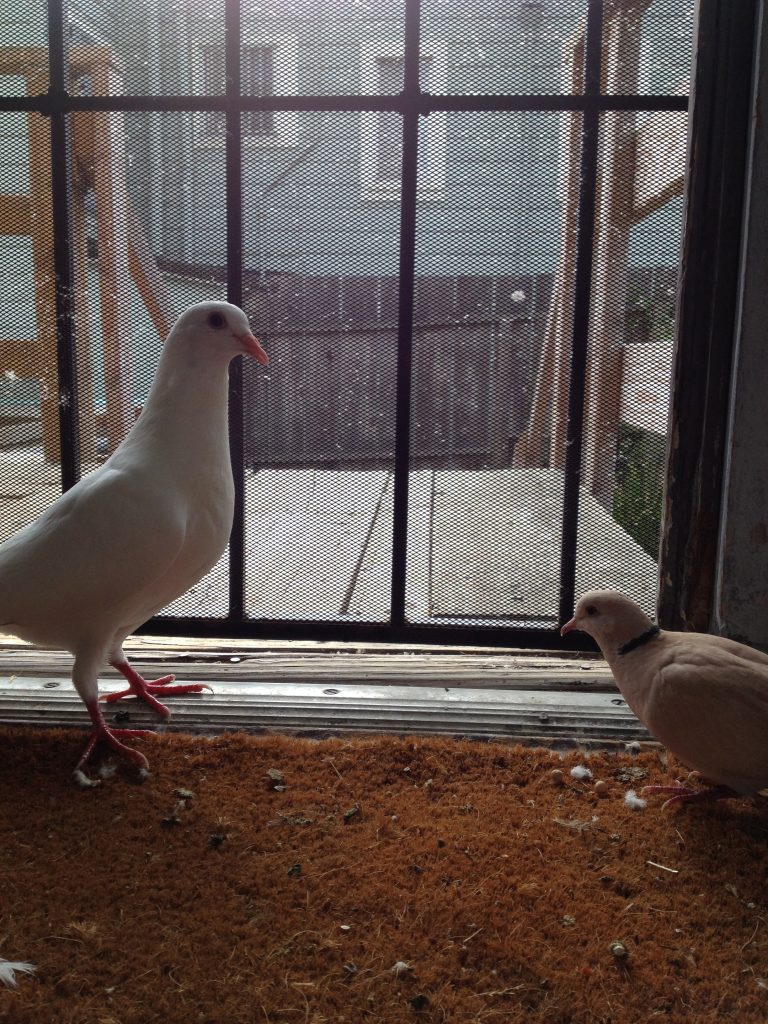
8	970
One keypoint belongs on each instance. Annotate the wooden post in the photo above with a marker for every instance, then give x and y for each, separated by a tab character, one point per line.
113	242
99	164
548	418
39	150
621	42
86	403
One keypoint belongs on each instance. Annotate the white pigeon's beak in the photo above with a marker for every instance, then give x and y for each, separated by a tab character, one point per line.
253	348
569	627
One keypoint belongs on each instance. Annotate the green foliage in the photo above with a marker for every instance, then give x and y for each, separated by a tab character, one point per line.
650	318
637	498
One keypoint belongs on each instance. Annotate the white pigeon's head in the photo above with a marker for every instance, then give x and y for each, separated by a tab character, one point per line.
610	618
215	328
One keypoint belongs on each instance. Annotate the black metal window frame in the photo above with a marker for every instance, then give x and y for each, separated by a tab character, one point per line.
411	104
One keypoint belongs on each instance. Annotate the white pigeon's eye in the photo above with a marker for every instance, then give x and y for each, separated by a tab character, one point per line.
216	320
591	609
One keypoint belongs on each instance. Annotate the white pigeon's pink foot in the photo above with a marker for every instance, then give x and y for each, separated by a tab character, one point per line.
140	687
685	795
101	732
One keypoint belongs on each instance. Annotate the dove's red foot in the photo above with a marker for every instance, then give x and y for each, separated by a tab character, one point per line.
101	732
139	687
685	795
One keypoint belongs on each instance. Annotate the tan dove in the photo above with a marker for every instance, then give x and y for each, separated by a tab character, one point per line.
704	697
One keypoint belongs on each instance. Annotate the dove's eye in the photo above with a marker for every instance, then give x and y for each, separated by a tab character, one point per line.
216	320
591	610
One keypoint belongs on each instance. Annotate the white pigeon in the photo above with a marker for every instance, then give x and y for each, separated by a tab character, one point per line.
140	530
704	697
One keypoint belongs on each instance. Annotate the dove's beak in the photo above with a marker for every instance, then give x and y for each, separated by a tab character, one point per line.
253	348
569	627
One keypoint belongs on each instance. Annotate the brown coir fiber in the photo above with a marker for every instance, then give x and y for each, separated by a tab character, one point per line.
268	879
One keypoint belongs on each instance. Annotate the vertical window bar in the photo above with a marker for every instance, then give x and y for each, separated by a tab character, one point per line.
581	309
234	201
410	94
63	270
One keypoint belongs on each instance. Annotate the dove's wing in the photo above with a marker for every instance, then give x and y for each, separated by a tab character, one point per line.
709	706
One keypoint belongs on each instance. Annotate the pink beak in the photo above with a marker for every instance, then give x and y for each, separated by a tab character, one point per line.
569	627
253	348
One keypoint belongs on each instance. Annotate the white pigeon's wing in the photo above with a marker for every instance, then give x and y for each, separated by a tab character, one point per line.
90	556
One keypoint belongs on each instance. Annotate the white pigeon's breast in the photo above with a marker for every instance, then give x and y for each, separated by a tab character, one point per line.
209	524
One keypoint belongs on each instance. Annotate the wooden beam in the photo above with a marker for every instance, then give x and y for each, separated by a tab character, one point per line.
659	161
114	275
32	61
39	149
621	44
148	278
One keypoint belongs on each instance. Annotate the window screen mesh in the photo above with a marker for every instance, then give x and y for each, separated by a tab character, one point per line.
446	273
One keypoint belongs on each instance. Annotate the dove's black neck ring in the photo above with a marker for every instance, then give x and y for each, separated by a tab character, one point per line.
638	641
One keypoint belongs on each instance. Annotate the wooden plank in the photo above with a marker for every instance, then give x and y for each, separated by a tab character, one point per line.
660	146
265	662
305	549
306	533
496	547
646	383
370	595
15	215
319	544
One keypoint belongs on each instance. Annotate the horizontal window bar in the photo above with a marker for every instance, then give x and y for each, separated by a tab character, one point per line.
425	103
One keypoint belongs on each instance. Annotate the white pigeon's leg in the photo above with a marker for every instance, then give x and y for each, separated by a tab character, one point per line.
681	794
140	687
85	676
